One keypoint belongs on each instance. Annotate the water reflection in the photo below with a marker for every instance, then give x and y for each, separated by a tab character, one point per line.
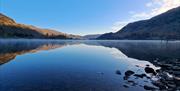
10	48
165	54
86	65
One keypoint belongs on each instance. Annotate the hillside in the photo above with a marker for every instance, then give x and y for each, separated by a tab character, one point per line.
10	29
92	36
164	26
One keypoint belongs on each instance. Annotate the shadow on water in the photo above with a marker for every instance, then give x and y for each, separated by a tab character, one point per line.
160	53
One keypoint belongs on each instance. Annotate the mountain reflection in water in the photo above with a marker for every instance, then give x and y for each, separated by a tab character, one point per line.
11	49
131	65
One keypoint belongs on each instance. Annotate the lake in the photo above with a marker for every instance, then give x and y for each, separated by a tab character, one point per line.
89	65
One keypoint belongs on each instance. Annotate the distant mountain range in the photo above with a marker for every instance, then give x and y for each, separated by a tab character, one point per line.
162	27
91	36
165	26
10	29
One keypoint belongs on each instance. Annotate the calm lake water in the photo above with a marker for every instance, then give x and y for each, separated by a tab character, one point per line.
81	65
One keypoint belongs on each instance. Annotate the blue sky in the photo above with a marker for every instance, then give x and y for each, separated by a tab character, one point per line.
79	16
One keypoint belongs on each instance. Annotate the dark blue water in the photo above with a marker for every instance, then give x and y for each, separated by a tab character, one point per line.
72	65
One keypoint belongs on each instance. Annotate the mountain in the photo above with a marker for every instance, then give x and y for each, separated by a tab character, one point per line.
92	36
10	29
162	27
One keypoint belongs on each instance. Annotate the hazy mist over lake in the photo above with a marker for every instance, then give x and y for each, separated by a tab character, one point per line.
82	65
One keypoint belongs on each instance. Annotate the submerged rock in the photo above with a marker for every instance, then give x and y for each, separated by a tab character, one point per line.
125	86
149	87
177	73
118	72
177	81
129	73
159	84
176	68
140	75
131	82
150	70
177	78
165	65
171	85
158	70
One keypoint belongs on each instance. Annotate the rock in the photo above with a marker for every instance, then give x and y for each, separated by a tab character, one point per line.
159	84
118	72
166	76
177	62
129	73
148	77
178	88
171	82
132	83
149	87
125	86
171	85
155	61
176	68
140	75
165	65
150	70
158	71
125	78
177	73
170	71
177	80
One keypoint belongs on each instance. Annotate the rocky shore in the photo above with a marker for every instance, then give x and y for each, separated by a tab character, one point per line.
167	78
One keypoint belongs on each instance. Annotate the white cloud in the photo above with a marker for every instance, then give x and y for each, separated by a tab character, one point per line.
132	12
161	6
156	7
150	4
